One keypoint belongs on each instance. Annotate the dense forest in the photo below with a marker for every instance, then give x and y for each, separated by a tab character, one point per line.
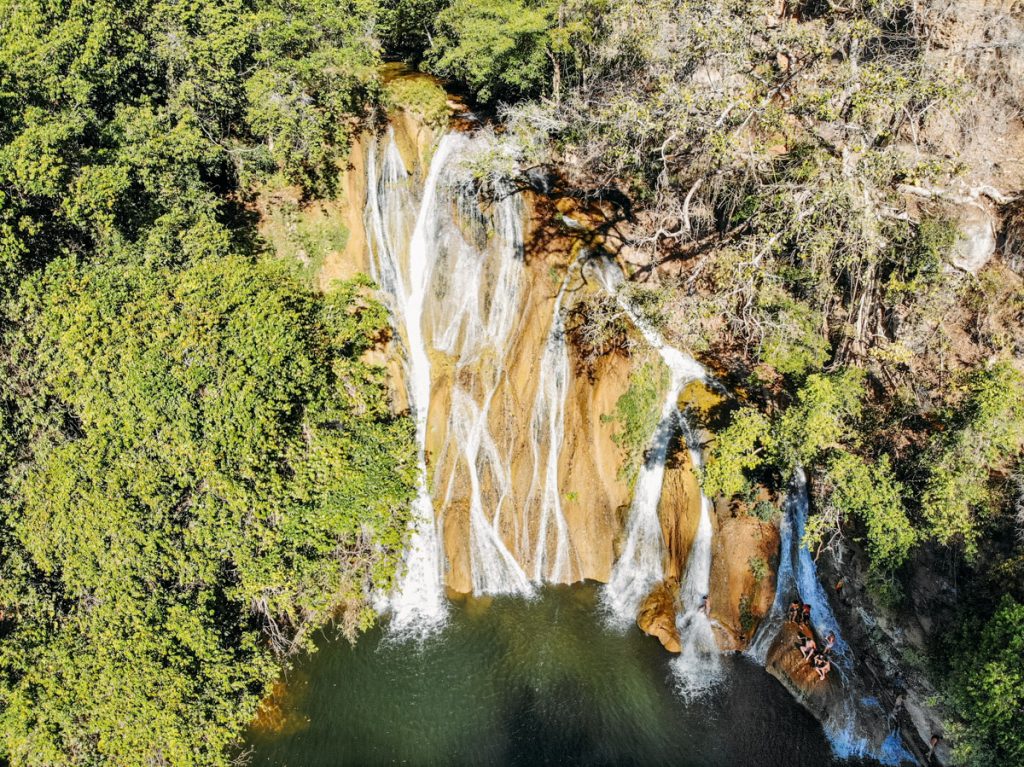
200	465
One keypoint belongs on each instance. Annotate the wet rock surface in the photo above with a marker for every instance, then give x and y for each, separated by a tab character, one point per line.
657	616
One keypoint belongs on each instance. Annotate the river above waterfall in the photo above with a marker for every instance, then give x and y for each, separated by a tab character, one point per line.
527	681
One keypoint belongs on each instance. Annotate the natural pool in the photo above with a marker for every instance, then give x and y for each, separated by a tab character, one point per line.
521	682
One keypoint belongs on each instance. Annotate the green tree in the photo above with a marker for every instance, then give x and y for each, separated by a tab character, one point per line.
637	413
738	449
211	471
968	464
822	418
405	27
501	49
868	492
986	687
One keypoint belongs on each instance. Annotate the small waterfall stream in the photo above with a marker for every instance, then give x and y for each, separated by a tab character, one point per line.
697	668
552	558
450	267
417	604
475	305
809	586
639	568
851	724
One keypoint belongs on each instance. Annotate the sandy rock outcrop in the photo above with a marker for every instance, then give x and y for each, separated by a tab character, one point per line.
657	617
742	578
841	702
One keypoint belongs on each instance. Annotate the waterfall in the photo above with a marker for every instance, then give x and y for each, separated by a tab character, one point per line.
476	303
852	723
417	604
811	591
640	566
797	582
697	669
852	726
551	558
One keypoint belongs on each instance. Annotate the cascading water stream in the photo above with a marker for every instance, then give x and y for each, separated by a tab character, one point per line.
639	568
552	559
475	303
697	668
850	726
846	726
453	283
811	591
417	604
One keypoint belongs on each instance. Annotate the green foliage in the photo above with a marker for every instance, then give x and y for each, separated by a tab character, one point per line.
305	236
738	449
596	326
650	304
764	510
822	418
501	49
212	471
126	125
870	493
636	414
404	26
935	239
747	618
793	343
315	74
986	688
421	96
983	441
758	568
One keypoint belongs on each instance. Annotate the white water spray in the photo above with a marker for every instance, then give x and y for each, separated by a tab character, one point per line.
417	604
475	304
640	566
697	668
552	559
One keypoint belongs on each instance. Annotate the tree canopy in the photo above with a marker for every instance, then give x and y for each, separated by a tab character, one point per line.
198	465
210	472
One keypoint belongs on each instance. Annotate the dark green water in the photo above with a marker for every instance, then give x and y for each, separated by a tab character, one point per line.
516	682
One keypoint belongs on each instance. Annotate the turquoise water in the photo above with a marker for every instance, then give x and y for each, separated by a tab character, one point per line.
522	682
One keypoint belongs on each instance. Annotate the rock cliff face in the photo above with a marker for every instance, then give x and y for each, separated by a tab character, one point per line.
593	496
506	477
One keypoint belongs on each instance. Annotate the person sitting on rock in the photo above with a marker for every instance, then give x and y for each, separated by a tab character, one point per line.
830	642
806	618
794	612
808	648
822	665
704	607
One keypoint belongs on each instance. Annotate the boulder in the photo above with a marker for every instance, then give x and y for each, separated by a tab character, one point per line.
657	616
976	243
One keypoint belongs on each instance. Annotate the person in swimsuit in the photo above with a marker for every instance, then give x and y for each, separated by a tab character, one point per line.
830	642
808	648
794	612
822	665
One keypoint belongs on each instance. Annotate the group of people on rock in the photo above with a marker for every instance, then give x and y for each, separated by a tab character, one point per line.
800	614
